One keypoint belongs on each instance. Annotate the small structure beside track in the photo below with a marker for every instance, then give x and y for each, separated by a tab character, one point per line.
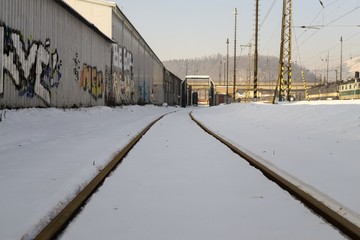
197	90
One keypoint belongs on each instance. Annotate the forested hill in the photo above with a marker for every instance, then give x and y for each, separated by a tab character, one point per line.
214	67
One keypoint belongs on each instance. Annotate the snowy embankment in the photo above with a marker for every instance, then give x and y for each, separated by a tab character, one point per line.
180	183
317	142
48	155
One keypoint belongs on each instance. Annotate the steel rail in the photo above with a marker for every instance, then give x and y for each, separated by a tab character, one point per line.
59	223
336	217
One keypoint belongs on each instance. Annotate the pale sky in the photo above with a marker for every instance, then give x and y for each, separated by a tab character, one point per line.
195	28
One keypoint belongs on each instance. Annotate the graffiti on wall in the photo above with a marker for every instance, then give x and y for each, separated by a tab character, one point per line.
33	67
76	69
92	81
123	75
108	85
88	78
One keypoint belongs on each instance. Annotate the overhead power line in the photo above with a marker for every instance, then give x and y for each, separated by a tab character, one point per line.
268	13
322	26
328	24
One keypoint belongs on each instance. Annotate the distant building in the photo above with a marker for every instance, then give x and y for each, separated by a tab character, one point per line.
198	90
343	90
350	89
324	92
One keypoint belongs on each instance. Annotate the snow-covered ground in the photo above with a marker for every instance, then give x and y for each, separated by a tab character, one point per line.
180	183
47	155
317	142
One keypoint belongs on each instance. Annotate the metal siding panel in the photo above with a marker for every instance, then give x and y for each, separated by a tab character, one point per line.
8	16
141	71
135	51
19	23
21	16
27	10
147	67
42	21
126	37
147	77
39	20
118	35
158	82
1	60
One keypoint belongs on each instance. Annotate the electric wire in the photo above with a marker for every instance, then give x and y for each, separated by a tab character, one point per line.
337	45
335	57
335	20
298	49
268	13
317	27
264	20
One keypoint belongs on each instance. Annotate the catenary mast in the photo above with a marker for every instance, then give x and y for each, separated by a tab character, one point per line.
285	70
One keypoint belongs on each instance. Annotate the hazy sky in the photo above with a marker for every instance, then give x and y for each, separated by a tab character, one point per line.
195	28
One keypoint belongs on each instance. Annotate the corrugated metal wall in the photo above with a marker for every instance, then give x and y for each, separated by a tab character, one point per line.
147	69
172	88
50	57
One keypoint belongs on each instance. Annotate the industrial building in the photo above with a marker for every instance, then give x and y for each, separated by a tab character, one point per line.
143	72
75	53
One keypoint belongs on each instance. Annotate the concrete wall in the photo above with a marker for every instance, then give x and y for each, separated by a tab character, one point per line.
50	56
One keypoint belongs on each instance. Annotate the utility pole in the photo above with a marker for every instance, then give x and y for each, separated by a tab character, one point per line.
249	75
224	71
285	54
341	55
326	79
305	86
220	65
227	70
256	50
234	86
336	78
327	69
248	70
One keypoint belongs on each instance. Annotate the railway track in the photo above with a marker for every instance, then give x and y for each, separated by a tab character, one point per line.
301	192
69	212
326	208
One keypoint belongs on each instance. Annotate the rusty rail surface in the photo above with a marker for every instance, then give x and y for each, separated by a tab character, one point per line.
334	216
54	228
